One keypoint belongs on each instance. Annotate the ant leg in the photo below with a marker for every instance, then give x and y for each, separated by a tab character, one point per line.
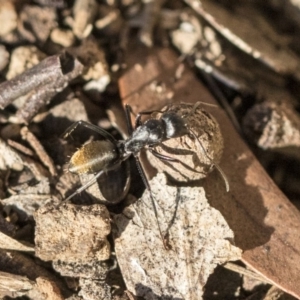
128	111
197	104
171	159
90	126
148	112
162	157
84	187
138	117
90	182
137	122
147	185
81	189
212	161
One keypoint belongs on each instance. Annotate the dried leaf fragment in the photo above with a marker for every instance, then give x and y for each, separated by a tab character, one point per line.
39	149
198	235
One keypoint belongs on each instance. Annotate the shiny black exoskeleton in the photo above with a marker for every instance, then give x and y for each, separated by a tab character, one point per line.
155	131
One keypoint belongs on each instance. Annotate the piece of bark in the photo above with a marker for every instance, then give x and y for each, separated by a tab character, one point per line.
39	150
266	225
74	234
77	245
19	147
70	68
20	264
197	235
41	74
40	84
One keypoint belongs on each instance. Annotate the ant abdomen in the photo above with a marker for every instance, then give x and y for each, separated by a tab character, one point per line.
93	157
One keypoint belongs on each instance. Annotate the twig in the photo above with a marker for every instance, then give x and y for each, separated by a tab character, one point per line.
39	149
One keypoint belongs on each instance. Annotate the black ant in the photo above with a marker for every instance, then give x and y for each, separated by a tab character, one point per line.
98	157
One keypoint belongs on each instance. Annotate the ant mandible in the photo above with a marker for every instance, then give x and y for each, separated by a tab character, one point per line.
98	157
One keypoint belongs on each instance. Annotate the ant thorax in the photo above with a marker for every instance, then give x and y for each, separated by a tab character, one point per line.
150	133
197	147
